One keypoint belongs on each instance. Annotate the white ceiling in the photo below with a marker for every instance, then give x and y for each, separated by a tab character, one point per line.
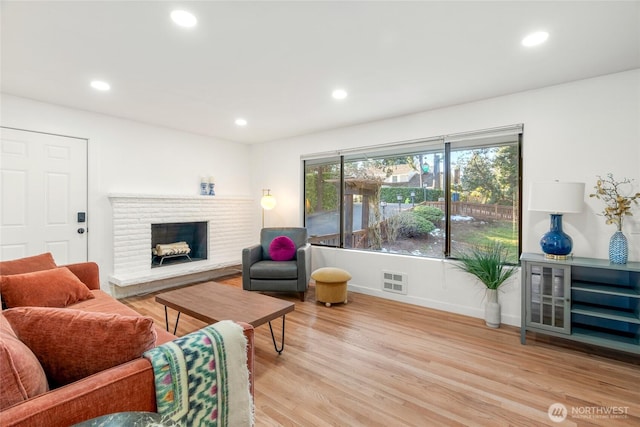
276	63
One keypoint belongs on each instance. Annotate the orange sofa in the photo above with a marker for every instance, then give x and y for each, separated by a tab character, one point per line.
125	387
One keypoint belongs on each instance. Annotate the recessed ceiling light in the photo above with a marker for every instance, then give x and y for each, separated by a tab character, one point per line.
339	94
100	85
241	122
184	18
535	39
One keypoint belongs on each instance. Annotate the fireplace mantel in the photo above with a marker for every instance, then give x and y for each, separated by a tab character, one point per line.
230	230
113	196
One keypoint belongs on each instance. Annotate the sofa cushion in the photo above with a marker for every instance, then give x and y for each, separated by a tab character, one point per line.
73	344
105	303
21	375
56	287
27	265
282	248
270	270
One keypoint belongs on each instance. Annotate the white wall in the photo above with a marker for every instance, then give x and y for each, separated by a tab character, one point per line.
131	157
572	132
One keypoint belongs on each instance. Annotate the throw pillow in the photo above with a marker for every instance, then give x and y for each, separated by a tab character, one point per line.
28	264
58	287
282	248
21	374
73	344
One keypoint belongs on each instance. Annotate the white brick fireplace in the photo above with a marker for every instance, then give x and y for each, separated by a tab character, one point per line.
229	226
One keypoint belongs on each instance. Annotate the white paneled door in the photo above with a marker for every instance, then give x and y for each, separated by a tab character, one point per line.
43	191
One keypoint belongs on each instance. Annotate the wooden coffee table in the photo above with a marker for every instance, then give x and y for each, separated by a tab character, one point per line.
211	302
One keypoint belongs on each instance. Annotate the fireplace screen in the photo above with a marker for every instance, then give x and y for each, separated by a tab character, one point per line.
178	242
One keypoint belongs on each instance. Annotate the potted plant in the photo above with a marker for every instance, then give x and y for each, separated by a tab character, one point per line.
489	264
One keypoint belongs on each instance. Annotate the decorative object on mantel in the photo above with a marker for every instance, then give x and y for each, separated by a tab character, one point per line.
617	206
212	185
204	186
557	198
489	264
267	202
207	186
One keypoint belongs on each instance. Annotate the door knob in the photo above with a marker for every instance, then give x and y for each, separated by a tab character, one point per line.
80	230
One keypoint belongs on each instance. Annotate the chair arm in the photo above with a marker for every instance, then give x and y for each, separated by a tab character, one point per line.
303	258
126	387
87	272
250	256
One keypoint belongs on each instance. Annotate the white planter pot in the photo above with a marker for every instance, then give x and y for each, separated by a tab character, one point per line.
492	309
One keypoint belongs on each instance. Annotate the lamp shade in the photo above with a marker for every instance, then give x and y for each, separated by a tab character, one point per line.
268	202
555	196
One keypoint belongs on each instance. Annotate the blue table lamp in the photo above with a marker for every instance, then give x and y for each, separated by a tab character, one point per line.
557	198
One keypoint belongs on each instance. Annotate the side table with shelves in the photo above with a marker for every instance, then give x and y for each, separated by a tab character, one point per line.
582	299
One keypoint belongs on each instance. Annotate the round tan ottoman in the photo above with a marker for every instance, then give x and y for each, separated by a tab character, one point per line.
331	285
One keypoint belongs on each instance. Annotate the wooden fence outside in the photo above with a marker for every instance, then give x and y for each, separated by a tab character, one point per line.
478	210
358	239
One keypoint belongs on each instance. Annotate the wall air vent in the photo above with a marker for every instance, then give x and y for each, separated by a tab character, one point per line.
394	282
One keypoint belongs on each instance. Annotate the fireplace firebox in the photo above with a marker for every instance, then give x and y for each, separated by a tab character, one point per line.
178	242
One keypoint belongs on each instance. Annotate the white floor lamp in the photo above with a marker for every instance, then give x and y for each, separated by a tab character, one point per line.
267	202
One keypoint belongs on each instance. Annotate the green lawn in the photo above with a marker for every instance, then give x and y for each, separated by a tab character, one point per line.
495	231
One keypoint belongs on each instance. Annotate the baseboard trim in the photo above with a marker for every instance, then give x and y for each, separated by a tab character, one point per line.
477	312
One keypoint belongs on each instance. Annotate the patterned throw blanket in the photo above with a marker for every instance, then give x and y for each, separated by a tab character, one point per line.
202	378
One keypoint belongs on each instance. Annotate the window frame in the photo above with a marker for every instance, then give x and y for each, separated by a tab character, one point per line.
494	137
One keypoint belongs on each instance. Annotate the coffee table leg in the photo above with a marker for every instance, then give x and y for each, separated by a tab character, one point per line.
274	338
166	320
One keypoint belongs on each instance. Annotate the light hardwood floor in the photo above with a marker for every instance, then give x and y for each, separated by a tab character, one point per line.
375	362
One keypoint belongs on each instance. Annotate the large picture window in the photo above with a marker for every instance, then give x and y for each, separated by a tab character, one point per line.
428	198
